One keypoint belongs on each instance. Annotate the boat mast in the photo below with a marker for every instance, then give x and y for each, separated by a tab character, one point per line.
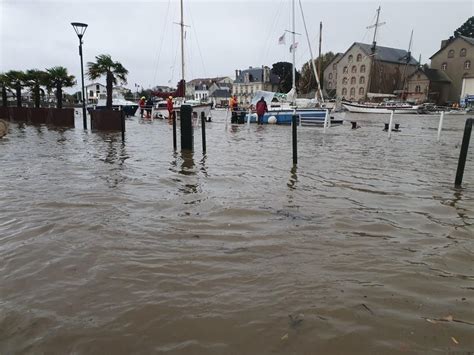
407	60
293	85
372	49
182	50
320	41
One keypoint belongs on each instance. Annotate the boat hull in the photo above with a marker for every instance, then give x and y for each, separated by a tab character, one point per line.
162	112
306	117
357	108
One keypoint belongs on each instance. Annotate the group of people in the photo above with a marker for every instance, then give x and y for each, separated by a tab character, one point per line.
261	107
146	106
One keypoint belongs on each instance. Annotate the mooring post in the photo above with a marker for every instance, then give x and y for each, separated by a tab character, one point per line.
122	123
463	154
390	124
440	127
203	130
173	118
295	143
325	121
250	114
187	134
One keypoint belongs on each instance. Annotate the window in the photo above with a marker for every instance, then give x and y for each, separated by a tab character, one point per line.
463	52
350	58
329	85
361	91
353	80
330	76
359	57
362	68
97	87
417	89
344	91
353	92
451	53
345	70
444	66
334	67
354	69
467	64
344	81
362	80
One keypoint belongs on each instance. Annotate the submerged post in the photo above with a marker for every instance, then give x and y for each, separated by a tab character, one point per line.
187	134
326	121
295	143
390	124
440	127
122	123
463	154
203	130
250	114
174	129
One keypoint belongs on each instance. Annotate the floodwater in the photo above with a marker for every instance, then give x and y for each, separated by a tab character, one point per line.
131	248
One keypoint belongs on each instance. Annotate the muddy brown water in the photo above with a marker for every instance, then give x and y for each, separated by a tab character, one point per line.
364	248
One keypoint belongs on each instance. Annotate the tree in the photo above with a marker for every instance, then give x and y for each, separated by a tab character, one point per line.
466	29
4	82
104	65
284	70
34	79
15	79
308	81
58	78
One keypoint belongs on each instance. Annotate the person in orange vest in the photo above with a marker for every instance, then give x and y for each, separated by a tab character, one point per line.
141	103
169	106
233	103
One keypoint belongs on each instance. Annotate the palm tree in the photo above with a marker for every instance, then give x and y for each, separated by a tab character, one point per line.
34	79
104	65
4	84
15	80
58	77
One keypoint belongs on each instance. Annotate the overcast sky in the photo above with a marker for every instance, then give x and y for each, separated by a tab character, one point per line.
223	35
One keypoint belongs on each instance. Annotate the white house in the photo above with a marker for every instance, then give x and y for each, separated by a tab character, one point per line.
94	92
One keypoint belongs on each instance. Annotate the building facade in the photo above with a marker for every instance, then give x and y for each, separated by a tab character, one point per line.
455	58
251	80
357	75
94	92
427	85
330	76
201	89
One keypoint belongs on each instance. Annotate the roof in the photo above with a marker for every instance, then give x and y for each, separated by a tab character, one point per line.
221	93
336	59
387	54
256	75
451	40
95	84
434	75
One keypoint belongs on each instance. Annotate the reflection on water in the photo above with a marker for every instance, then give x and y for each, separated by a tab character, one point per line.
112	247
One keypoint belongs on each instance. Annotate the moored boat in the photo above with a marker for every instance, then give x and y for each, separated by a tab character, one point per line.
384	107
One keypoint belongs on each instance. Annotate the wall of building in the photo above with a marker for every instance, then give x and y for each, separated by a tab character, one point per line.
454	65
389	77
330	76
352	74
418	87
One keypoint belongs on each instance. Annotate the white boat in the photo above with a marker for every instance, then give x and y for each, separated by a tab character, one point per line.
118	103
160	109
384	107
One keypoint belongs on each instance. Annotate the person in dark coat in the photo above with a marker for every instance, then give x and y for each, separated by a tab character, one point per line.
261	109
149	107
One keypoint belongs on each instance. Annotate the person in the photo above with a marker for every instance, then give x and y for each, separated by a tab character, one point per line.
261	109
149	107
169	106
233	103
141	103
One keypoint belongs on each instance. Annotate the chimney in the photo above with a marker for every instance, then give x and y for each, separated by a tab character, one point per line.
444	42
236	74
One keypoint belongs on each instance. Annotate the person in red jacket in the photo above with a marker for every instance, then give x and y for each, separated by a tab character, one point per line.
141	103
261	109
169	105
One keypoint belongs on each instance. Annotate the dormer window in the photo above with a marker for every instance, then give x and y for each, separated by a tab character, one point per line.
451	53
463	52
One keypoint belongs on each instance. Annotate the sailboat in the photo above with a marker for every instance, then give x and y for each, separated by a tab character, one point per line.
160	109
288	104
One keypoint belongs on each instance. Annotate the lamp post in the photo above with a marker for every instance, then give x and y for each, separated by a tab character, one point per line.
80	28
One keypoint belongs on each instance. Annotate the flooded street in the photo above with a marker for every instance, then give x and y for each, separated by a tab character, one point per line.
364	248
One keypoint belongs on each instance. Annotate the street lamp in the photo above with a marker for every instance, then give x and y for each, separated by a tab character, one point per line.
80	29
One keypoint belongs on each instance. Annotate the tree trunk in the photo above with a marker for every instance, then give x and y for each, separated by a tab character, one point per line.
109	87
59	95
4	96
36	92
18	95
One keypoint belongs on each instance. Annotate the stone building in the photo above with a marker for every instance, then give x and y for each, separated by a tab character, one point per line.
427	85
201	89
455	58
357	76
250	80
330	76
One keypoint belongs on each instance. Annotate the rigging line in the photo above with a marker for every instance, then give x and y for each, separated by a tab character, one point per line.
197	42
174	65
165	22
269	43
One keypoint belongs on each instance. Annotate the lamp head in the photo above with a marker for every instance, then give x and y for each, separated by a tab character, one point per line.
80	28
